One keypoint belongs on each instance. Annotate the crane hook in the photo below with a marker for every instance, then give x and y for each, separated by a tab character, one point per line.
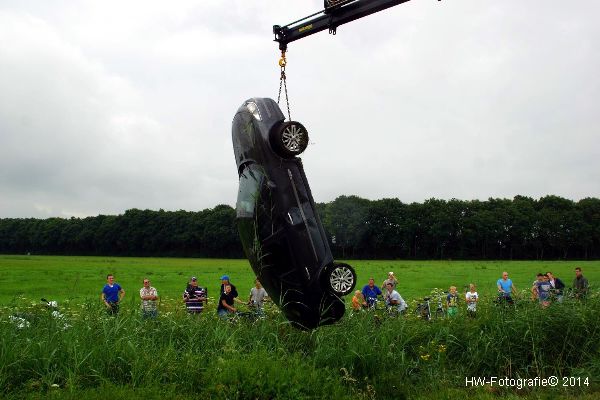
282	60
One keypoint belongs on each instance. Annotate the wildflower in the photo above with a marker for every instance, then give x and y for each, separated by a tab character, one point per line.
347	377
19	322
425	357
442	348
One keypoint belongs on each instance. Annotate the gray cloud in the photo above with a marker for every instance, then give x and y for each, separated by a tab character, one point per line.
109	106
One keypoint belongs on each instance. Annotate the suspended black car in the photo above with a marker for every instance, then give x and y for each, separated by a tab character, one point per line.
279	227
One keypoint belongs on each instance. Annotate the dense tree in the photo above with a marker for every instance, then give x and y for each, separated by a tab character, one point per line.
385	223
345	219
522	228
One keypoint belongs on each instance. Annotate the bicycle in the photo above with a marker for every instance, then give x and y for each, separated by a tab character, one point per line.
423	310
249	314
25	319
504	299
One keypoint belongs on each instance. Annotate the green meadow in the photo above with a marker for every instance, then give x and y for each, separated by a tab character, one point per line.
367	355
78	278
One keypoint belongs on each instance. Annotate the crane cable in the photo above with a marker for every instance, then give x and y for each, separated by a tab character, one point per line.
283	82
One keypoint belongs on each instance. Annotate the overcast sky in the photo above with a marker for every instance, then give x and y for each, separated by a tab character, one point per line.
111	105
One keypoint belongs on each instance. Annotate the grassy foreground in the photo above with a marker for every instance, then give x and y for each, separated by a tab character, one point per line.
366	356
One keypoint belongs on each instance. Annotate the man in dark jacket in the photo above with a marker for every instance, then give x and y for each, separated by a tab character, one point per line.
580	285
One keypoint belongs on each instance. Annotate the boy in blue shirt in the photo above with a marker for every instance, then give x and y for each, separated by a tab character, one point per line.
542	288
112	294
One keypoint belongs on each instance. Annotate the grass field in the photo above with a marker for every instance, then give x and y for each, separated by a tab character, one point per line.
368	355
78	278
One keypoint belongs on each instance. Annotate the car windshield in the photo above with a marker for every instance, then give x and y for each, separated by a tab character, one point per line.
250	181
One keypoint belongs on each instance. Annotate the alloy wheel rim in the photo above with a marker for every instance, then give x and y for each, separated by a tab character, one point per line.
292	137
341	279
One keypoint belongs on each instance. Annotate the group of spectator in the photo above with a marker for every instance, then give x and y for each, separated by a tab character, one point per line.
370	293
545	288
194	296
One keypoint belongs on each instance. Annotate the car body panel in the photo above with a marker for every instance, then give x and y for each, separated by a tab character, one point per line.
280	229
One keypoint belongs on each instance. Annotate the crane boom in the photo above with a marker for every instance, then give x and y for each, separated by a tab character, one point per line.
336	13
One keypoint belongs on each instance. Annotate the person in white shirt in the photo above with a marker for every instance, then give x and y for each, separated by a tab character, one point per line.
149	296
471	297
393	299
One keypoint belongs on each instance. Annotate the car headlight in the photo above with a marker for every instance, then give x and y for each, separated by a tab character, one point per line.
253	108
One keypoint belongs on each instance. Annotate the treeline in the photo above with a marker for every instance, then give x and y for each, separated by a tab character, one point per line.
208	233
522	228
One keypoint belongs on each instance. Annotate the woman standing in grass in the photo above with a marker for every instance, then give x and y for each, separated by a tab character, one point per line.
557	287
390	279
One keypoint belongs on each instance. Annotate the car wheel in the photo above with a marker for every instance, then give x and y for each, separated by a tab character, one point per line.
289	139
341	279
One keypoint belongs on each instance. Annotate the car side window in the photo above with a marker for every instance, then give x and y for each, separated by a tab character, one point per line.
249	192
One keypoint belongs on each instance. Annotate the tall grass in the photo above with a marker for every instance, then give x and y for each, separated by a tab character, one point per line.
367	355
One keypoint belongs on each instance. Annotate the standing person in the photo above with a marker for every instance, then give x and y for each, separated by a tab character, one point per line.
149	296
390	279
393	299
452	302
543	287
258	295
472	298
370	292
194	297
557	287
505	288
226	302
580	285
358	301
225	281
112	294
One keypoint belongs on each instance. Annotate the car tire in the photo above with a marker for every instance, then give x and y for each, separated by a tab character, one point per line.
340	279
289	139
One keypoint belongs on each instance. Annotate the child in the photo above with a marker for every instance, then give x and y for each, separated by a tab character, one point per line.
472	297
452	302
358	301
543	290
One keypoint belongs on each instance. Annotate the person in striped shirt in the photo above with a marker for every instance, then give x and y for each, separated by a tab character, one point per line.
194	297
